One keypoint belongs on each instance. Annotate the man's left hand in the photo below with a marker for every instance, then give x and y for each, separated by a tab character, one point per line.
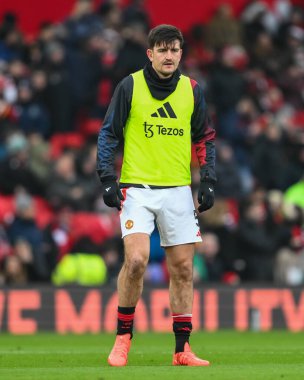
205	196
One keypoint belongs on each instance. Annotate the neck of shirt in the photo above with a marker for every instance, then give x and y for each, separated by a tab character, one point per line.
160	88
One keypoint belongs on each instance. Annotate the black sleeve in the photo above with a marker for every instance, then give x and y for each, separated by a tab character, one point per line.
203	136
111	132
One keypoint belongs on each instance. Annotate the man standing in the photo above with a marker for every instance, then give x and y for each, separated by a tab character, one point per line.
158	112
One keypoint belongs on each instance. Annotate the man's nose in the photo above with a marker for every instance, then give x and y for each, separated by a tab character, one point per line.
169	55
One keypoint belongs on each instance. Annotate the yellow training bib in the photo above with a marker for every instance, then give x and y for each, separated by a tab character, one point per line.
157	147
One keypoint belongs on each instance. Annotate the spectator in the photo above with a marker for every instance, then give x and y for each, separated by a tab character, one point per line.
111	14
208	265
5	250
38	82
228	174
14	271
12	46
294	51
268	158
292	85
132	55
223	30
59	89
86	170
135	12
27	238
58	234
258	242
223	220
81	22
84	83
289	268
295	18
9	23
253	21
66	188
198	54
226	88
39	157
32	116
112	253
265	56
16	167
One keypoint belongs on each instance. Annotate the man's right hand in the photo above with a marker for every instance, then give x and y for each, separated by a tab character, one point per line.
112	195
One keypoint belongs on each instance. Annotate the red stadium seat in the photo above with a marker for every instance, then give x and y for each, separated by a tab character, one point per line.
43	215
7	207
92	225
298	120
90	127
60	141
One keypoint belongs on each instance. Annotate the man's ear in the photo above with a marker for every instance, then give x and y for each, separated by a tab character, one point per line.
150	54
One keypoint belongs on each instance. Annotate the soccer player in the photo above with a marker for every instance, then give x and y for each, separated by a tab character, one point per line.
158	113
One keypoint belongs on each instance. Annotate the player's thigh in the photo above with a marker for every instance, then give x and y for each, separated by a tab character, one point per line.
137	248
177	220
136	216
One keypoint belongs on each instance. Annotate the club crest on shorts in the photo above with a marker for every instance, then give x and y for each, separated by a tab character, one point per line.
129	224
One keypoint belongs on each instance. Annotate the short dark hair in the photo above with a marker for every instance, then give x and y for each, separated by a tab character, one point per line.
164	34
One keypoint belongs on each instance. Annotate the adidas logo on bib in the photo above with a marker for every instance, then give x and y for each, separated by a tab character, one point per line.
161	112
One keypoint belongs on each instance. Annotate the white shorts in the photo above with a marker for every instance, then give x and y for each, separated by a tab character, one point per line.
171	209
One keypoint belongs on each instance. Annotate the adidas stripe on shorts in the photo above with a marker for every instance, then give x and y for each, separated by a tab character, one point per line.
172	209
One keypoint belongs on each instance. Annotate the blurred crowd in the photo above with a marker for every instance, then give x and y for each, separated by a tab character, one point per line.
54	92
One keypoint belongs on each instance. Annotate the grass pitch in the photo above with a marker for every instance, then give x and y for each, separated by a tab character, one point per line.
239	356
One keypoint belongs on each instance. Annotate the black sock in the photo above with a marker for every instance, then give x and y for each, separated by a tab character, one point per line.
182	328
125	317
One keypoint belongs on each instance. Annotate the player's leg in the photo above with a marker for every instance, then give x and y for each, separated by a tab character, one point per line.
179	230
180	267
137	223
179	263
130	279
129	286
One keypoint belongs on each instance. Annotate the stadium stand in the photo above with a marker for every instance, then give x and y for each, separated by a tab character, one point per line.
56	80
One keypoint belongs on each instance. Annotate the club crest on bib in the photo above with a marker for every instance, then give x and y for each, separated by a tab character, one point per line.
129	224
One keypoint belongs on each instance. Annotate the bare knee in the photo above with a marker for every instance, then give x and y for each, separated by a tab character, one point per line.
182	272
137	248
135	266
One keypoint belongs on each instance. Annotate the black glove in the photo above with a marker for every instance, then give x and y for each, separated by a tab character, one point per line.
205	196
112	194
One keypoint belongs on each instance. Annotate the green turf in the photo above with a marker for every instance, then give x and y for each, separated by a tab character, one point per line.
238	356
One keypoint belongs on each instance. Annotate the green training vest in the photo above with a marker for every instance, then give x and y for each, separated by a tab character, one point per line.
157	146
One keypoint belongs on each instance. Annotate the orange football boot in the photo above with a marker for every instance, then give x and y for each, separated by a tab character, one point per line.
188	358
119	354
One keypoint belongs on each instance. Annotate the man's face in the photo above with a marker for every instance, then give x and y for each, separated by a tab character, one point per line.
165	58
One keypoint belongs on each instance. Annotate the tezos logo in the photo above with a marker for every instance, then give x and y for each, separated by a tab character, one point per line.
161	130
